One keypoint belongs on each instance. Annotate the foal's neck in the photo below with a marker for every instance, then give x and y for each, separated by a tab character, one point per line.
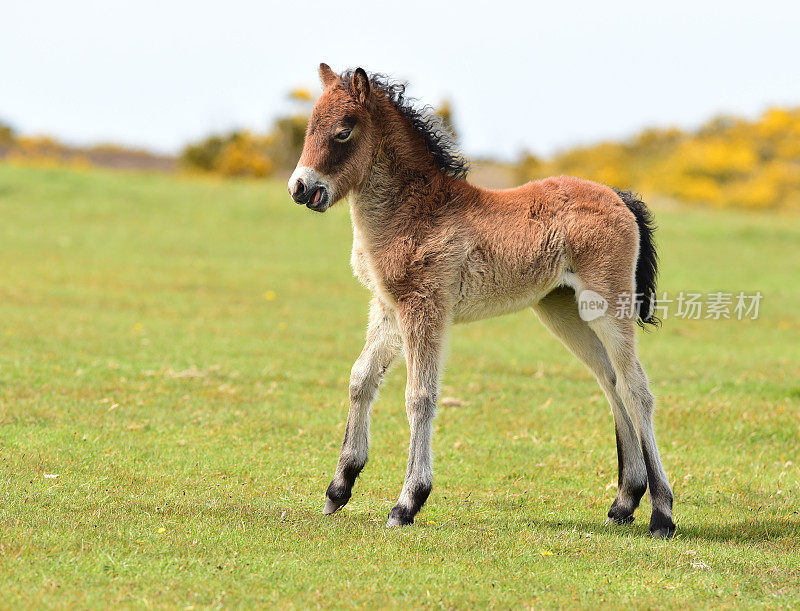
403	173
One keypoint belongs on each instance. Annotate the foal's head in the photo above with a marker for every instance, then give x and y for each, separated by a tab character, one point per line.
339	141
356	115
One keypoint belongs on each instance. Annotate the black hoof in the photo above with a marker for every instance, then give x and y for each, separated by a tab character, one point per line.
403	515
620	519
337	497
333	505
399	516
619	514
661	526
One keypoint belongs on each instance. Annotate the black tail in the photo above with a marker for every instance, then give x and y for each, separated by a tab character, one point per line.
647	264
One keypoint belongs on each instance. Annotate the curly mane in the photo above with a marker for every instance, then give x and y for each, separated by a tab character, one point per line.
440	142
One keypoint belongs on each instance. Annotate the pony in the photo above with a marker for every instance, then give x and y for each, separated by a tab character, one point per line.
436	250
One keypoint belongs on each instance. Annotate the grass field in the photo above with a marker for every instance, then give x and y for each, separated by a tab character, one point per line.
176	352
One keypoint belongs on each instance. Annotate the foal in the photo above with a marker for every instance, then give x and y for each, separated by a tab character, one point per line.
435	250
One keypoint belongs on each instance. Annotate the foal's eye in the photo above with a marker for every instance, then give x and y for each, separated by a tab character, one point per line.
344	135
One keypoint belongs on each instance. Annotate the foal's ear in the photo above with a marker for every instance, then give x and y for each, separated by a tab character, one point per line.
326	75
361	85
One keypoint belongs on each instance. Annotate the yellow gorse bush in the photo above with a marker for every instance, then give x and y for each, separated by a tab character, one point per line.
43	151
727	162
244	155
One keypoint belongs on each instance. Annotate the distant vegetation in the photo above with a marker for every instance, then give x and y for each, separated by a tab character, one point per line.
727	162
730	162
47	151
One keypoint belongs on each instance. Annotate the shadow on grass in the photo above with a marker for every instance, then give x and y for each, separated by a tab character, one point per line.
743	531
749	531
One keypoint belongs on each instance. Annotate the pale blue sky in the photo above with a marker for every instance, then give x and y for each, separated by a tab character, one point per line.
541	76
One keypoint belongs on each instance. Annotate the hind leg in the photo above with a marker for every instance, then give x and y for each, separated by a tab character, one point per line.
618	335
558	311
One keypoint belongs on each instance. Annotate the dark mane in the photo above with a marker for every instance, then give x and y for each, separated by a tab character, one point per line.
440	142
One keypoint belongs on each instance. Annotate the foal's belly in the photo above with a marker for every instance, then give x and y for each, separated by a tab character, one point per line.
488	292
479	309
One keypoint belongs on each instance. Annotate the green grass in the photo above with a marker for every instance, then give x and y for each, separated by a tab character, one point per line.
194	420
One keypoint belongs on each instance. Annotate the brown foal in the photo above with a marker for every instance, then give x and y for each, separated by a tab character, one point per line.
435	250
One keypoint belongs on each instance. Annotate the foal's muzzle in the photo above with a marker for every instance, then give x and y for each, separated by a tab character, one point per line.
309	189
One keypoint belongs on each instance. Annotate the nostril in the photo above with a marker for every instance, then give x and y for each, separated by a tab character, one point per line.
299	187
